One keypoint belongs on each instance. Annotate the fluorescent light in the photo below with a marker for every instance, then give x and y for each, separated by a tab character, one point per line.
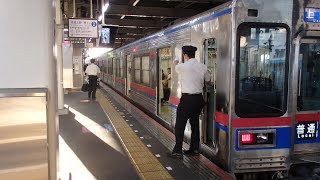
122	16
105	7
100	18
135	3
65	30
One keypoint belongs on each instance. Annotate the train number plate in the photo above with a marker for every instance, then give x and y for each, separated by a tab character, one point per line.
307	130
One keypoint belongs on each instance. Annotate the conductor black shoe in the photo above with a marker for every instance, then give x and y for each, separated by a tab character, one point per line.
191	153
175	155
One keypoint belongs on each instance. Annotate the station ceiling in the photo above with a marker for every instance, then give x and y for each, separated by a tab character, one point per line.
136	19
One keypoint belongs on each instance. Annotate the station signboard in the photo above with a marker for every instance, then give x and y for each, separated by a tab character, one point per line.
83	28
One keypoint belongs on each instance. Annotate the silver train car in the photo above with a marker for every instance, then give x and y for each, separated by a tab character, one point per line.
262	111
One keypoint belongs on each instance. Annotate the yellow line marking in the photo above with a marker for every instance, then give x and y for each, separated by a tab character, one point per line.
147	165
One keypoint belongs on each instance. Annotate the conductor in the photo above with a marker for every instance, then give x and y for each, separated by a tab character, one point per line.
192	75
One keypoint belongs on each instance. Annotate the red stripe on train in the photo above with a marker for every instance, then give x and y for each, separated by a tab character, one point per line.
122	81
307	117
261	122
175	101
144	89
221	118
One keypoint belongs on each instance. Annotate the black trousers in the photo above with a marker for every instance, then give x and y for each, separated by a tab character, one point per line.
92	86
190	107
166	94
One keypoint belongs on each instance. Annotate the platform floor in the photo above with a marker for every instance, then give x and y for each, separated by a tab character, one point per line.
112	139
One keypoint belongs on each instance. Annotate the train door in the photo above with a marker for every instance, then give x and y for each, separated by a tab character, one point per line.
307	60
128	75
208	124
164	83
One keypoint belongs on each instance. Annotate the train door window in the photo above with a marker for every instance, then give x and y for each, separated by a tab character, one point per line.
128	74
110	66
165	62
309	75
114	65
145	70
208	125
262	63
121	67
118	67
137	69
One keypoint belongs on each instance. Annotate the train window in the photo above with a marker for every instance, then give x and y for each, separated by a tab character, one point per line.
309	75
110	66
137	68
114	65
261	83
118	67
121	68
212	58
145	70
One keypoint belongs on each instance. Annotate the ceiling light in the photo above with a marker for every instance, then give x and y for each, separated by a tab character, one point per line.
105	7
135	3
122	16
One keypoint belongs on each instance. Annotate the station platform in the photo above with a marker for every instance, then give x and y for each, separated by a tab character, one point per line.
109	138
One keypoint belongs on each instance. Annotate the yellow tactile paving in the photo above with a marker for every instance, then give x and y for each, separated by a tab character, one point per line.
146	163
156	175
150	167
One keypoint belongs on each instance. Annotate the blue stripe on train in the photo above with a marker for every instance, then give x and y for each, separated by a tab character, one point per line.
222	127
283	139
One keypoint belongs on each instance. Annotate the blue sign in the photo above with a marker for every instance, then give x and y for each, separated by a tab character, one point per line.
94	24
312	15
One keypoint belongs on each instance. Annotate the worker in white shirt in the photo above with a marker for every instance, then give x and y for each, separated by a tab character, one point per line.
92	71
192	76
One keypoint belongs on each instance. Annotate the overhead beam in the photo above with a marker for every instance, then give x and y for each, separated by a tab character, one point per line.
149	11
135	23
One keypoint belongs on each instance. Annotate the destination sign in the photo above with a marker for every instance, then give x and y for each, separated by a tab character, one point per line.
307	130
312	15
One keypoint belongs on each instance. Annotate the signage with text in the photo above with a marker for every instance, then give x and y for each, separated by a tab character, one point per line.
83	28
307	130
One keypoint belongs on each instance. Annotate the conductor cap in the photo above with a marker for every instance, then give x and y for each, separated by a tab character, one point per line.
190	49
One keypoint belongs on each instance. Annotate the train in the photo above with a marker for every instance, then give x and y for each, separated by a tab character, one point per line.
262	109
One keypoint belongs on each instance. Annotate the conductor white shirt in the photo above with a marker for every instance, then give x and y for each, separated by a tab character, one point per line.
192	76
92	70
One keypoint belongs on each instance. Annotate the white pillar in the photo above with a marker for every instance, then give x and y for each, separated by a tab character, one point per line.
59	51
53	118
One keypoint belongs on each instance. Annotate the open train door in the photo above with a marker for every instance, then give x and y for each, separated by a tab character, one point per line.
306	104
164	84
208	122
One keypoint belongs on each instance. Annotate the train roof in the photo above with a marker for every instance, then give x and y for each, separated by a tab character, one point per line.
218	11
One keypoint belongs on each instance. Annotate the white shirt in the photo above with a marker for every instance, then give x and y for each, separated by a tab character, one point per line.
93	70
192	76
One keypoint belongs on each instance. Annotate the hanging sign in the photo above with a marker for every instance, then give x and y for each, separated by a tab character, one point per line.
83	28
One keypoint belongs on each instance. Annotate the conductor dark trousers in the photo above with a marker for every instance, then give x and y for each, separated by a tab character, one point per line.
190	107
92	86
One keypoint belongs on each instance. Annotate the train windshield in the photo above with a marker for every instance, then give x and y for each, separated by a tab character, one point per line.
261	85
309	76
